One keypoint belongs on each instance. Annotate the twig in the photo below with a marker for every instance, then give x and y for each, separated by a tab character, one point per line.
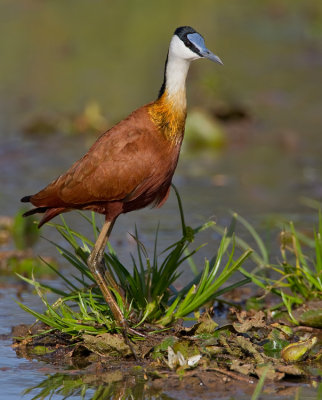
231	374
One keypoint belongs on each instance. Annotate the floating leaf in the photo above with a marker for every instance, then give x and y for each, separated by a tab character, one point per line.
273	347
298	351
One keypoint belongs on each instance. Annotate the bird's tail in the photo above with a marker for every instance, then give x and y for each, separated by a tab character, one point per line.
35	211
26	199
49	212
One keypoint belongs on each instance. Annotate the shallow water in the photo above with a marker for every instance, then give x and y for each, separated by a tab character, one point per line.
16	374
56	57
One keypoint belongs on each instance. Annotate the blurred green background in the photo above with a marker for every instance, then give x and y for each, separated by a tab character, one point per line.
71	68
260	122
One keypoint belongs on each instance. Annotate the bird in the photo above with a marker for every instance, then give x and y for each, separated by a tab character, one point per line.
131	165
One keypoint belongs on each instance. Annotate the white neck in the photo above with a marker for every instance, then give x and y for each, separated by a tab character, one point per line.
176	74
179	59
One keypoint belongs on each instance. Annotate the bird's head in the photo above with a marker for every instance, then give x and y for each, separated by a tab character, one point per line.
189	45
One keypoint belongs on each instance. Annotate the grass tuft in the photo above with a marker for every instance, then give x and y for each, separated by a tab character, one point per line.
298	277
149	292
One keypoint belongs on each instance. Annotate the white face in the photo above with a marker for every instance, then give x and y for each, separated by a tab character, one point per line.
180	50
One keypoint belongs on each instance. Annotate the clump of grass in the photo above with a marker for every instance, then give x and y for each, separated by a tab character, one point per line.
149	293
298	276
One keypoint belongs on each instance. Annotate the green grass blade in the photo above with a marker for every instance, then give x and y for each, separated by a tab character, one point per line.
260	384
258	240
183	224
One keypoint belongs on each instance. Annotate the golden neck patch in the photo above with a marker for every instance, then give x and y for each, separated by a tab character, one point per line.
169	115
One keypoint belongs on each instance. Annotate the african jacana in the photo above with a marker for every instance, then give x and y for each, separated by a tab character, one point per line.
131	165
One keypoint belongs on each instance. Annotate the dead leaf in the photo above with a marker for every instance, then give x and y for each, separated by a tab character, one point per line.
247	346
248	320
205	325
245	369
106	344
177	359
290	370
271	374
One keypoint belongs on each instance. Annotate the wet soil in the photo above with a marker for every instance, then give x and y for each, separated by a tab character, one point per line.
194	362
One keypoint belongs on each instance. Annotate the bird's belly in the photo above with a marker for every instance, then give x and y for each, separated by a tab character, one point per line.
154	194
153	190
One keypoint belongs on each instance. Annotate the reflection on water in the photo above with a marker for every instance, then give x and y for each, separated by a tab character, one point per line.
116	386
136	386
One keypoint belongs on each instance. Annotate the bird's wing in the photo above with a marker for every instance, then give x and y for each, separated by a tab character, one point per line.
116	165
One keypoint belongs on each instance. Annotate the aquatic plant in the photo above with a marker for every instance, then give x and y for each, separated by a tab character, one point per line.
149	293
298	277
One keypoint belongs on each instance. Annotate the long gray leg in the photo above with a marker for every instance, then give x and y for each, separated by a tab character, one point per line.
95	265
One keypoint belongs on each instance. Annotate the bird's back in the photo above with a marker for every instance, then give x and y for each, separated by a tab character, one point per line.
132	164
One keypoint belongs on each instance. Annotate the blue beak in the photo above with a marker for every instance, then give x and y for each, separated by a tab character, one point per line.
198	41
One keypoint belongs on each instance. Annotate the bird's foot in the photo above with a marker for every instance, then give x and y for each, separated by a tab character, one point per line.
125	331
137	333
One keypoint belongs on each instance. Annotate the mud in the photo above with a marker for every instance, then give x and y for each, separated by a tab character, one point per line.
192	362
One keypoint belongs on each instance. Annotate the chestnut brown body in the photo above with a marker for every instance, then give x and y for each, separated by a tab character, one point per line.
129	167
